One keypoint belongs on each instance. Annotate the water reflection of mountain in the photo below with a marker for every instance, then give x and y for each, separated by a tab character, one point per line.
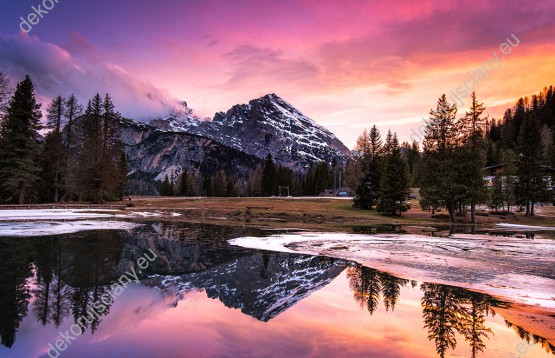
184	248
262	285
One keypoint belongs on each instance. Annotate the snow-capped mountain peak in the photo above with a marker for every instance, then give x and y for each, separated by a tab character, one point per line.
268	124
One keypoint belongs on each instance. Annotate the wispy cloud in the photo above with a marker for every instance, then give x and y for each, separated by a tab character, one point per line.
56	72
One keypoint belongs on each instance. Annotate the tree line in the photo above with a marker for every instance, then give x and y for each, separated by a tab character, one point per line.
265	180
80	157
383	175
450	170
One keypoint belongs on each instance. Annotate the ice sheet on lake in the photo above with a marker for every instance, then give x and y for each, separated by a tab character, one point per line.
43	228
519	269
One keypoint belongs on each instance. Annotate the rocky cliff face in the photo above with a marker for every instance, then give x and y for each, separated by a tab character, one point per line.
265	125
154	153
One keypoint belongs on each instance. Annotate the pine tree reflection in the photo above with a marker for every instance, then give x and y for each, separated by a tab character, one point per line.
15	270
531	339
447	310
366	286
474	329
391	289
92	267
44	264
61	293
442	308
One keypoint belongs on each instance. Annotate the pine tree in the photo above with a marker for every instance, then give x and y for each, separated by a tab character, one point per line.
207	185
496	193
71	179
363	146
122	181
440	180
19	145
230	187
366	193
54	153
530	187
474	149
91	159
73	110
220	184
184	184
99	160
269	177
167	187
395	181
322	178
5	94
254	185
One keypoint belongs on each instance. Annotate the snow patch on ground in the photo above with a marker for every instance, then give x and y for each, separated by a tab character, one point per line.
43	228
141	214
525	227
518	269
55	214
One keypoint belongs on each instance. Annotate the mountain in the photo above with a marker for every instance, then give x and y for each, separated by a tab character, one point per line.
265	125
235	141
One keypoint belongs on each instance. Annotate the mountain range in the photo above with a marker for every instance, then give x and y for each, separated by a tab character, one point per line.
235	141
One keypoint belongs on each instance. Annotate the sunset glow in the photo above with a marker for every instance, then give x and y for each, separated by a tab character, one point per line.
346	64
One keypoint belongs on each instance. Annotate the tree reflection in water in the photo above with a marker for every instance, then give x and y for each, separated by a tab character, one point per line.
446	310
63	277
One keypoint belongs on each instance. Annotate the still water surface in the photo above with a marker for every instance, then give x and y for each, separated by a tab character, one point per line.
202	297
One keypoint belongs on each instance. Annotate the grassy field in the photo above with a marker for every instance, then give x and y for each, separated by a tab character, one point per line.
312	213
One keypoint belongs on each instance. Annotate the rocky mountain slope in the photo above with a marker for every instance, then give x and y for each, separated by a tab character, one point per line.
154	153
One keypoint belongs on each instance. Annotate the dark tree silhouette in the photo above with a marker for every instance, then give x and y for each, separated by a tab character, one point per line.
15	270
366	286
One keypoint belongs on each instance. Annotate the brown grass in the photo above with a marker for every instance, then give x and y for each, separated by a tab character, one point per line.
311	213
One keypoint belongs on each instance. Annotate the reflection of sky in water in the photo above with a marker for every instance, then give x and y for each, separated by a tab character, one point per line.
332	320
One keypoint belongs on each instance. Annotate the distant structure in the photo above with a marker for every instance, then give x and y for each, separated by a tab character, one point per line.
339	192
283	189
499	170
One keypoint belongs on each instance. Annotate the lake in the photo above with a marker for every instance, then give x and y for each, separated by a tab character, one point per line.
197	295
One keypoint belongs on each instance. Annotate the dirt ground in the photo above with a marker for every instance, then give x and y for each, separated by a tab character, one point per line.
315	213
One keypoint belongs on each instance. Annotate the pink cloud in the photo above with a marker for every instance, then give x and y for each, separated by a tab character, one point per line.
55	71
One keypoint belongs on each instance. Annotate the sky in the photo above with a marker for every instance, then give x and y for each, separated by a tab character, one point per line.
346	64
